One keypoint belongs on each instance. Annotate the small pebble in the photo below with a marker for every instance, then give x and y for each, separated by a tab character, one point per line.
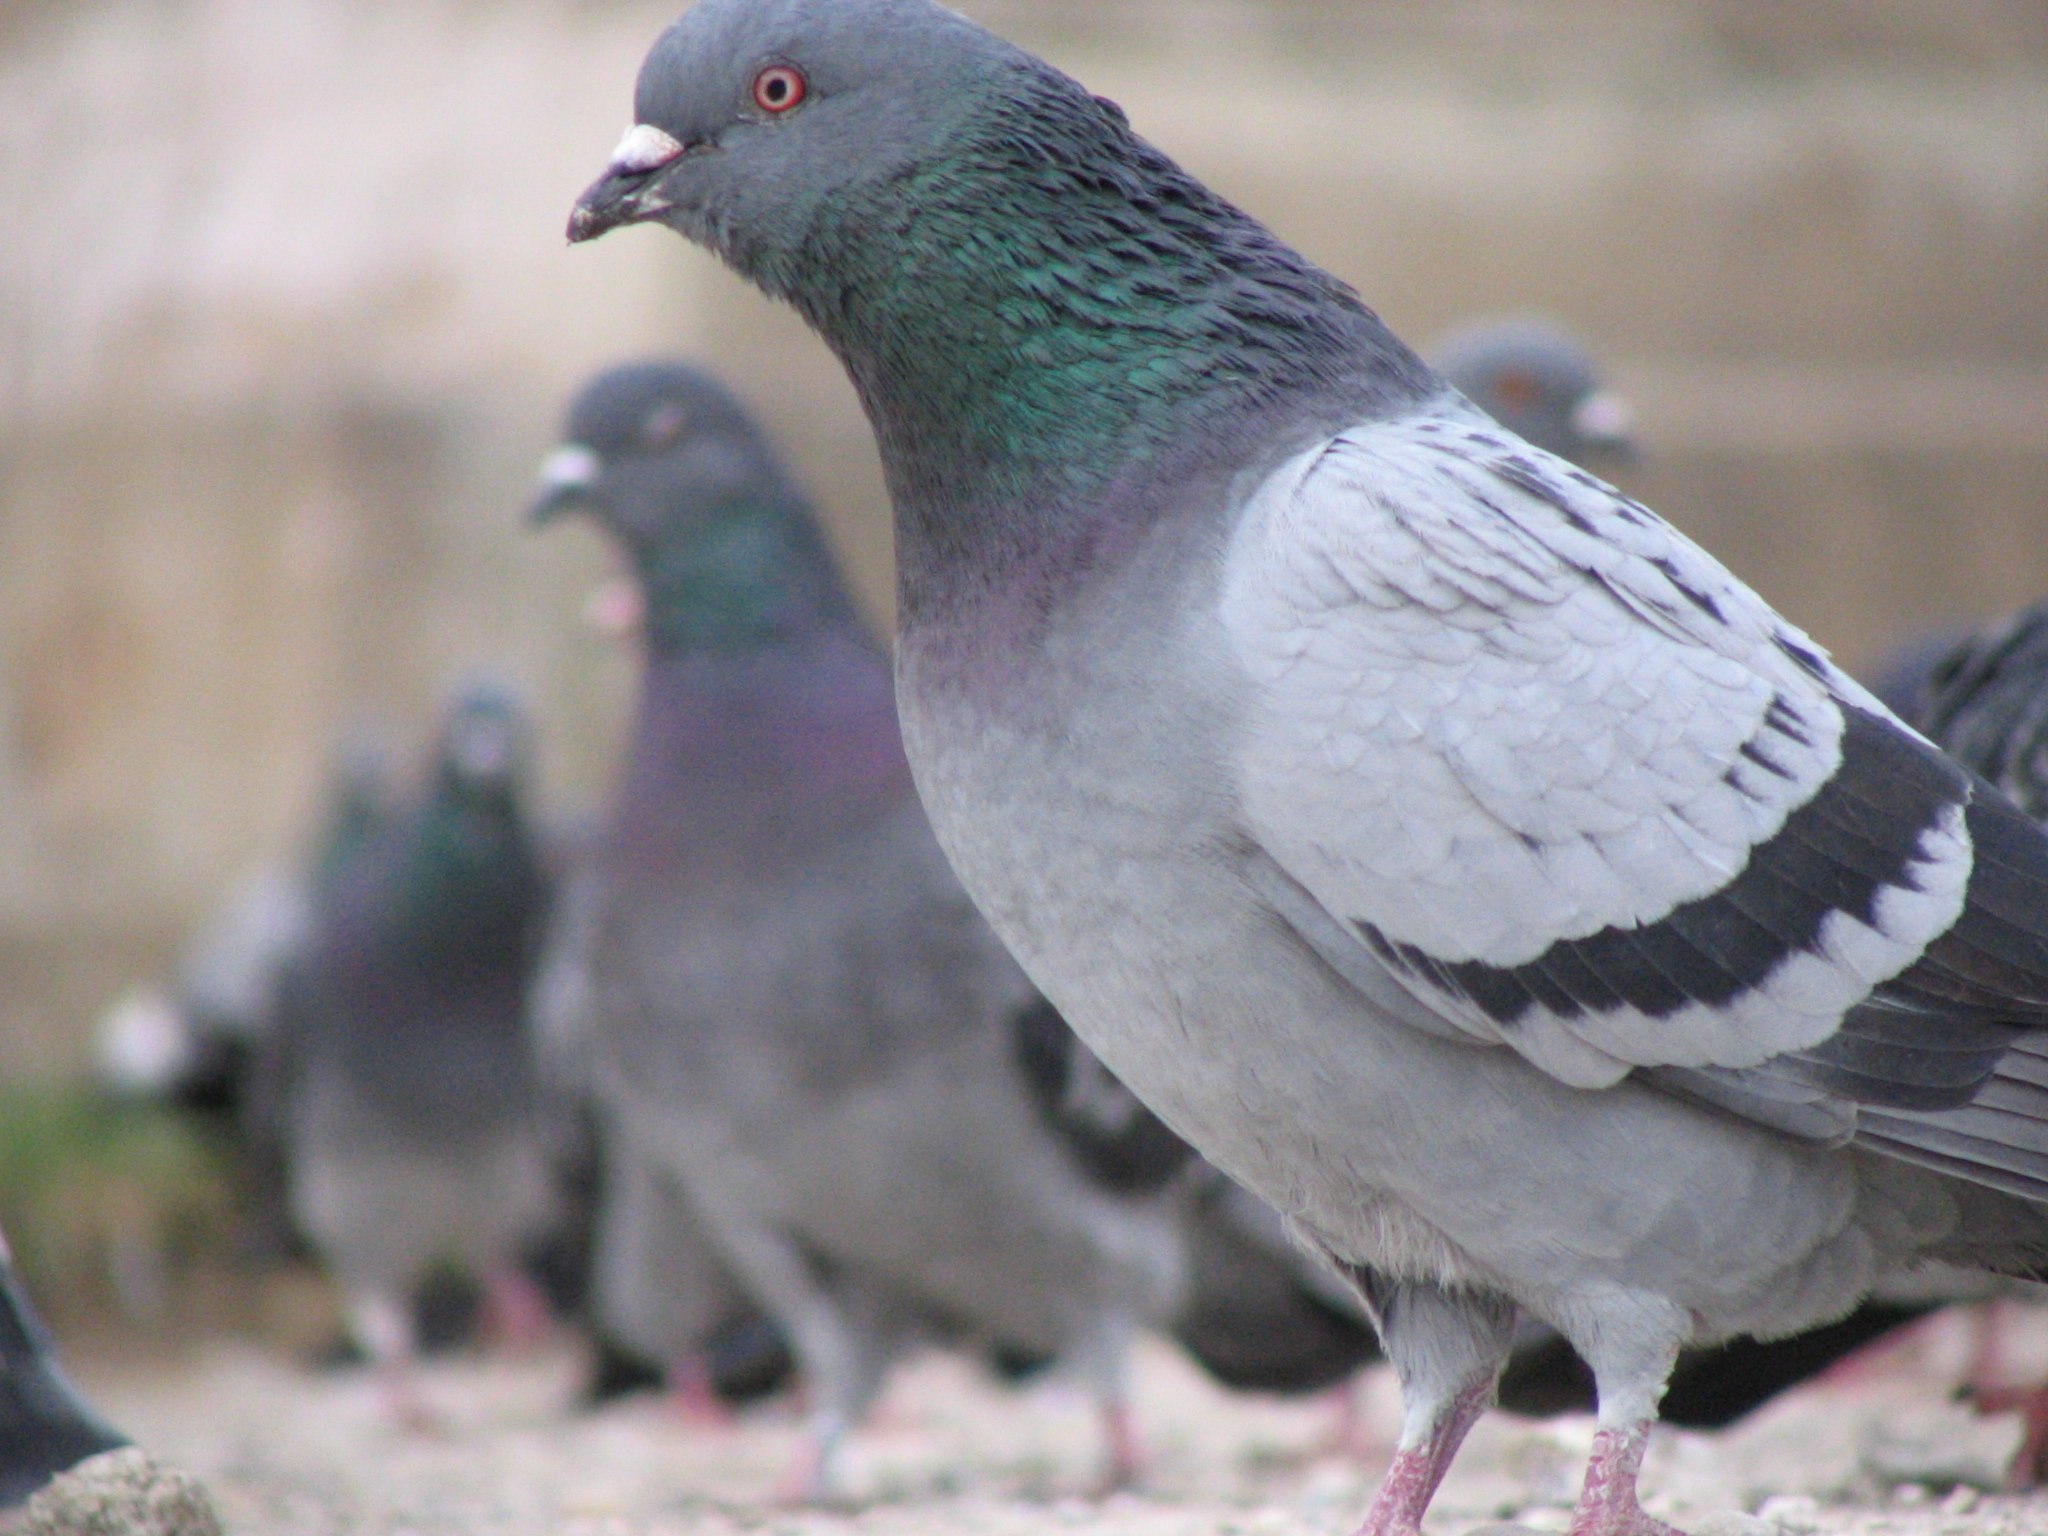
1960	1501
122	1493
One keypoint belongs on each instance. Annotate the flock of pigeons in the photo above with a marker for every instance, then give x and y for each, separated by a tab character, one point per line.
1327	873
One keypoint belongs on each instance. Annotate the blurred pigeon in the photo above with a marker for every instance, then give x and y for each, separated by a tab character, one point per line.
663	1290
1540	383
1986	704
662	1305
797	1015
1447	847
407	1085
45	1426
193	1046
1984	699
1904	677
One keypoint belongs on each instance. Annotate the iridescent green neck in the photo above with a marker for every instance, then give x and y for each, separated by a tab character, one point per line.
736	577
1048	303
470	865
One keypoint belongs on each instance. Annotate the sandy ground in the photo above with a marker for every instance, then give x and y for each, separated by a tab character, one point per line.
289	1452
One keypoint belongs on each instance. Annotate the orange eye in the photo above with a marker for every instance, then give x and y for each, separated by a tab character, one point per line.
780	88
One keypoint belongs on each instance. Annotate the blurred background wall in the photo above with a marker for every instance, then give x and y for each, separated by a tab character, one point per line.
286	322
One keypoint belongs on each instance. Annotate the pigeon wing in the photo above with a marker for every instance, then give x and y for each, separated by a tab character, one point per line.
1520	745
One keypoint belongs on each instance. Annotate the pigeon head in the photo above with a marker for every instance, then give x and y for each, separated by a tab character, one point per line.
1540	383
751	114
1030	298
673	468
482	748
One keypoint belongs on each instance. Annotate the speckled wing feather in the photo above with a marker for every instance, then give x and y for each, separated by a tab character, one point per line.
1583	793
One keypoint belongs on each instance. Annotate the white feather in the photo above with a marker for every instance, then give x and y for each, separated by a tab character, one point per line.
1498	706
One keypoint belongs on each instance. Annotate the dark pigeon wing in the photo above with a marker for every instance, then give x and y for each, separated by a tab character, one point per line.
1114	1138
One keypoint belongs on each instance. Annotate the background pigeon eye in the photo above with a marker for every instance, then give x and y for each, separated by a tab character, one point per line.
663	427
780	88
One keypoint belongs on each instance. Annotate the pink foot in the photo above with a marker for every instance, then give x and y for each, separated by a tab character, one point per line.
1125	1455
814	1478
517	1317
1607	1504
398	1392
1412	1478
2028	1468
1989	1393
694	1400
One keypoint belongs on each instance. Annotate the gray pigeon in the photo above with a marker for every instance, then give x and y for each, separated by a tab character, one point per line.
404	1072
45	1426
663	1306
797	1016
1540	383
1447	847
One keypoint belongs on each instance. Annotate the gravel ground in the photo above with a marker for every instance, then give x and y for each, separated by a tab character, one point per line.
289	1452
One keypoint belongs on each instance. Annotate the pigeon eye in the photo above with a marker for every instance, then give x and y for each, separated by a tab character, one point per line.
663	427
780	88
1518	390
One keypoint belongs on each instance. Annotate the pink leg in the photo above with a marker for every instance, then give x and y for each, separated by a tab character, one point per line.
695	1400
516	1314
1607	1504
1412	1478
1990	1393
1125	1455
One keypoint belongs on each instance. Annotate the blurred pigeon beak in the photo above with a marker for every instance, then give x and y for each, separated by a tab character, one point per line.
625	193
1606	423
617	608
568	483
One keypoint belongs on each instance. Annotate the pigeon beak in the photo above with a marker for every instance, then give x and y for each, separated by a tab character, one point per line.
625	193
1606	423
568	483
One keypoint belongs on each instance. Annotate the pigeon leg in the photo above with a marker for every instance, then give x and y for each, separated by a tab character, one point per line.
516	1311
694	1397
1448	1349
1631	1349
842	1337
1102	1357
1607	1504
1990	1392
382	1325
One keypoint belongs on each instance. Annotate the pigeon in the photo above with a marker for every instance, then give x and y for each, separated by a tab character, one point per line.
1541	384
796	1016
45	1426
404	1074
1447	847
205	1043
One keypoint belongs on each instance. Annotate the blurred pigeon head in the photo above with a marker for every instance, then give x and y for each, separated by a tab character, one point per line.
1540	383
649	445
483	742
719	540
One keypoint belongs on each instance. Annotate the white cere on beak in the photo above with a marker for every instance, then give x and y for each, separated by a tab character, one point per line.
571	467
644	148
1602	417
